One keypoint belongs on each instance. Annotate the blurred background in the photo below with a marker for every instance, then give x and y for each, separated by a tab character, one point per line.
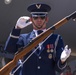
11	10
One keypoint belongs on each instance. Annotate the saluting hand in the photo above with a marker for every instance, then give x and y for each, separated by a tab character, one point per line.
23	22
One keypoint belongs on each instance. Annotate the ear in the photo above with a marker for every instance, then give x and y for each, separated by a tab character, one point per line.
30	18
47	19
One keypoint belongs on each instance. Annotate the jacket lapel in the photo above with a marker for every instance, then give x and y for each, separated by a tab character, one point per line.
31	36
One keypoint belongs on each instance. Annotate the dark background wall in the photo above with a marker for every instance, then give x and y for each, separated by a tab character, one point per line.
9	13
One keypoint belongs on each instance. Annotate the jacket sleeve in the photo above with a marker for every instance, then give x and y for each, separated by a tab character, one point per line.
58	65
11	43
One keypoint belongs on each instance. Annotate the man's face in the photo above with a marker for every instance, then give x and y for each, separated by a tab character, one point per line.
39	22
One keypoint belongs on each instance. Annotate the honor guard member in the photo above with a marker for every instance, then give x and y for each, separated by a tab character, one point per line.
50	54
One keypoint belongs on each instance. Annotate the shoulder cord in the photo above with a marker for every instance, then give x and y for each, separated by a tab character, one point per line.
56	42
21	64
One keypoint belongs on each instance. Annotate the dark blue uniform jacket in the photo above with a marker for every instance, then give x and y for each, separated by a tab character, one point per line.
44	63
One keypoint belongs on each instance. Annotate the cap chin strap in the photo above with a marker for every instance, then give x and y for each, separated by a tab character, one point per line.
39	12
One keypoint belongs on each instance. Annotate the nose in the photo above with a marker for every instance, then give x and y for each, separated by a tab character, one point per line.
39	19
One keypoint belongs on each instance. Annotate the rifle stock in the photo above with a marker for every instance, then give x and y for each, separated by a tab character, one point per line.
9	66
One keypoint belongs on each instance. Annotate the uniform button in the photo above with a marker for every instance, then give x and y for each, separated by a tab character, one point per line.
38	67
39	57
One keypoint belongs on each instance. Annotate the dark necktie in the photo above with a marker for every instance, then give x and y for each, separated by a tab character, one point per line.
39	31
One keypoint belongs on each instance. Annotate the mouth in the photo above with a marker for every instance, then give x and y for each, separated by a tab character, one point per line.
38	26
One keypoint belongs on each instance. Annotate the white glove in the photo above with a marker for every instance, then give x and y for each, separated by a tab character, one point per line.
23	22
65	54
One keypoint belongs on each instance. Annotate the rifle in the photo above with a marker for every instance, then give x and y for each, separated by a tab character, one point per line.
9	66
